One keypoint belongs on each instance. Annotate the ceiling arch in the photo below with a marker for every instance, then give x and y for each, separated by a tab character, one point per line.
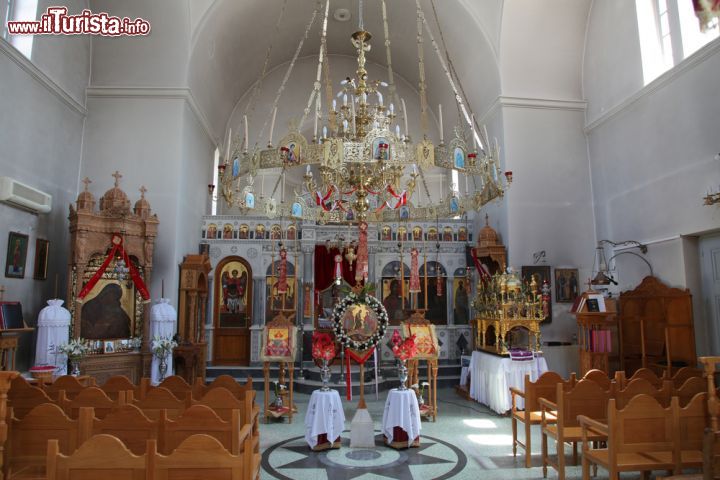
231	39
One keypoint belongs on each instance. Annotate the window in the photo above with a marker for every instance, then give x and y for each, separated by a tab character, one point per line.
18	10
669	32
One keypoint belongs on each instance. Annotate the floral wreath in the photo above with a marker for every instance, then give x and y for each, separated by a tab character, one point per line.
375	305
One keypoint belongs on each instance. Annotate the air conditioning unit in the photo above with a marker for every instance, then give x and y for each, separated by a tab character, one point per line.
23	196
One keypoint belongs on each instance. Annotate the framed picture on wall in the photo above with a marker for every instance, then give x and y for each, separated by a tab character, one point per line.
541	274
16	255
566	285
42	248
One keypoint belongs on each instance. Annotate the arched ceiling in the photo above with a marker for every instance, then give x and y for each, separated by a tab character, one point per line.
232	37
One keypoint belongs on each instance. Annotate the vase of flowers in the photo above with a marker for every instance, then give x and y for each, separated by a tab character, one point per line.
278	403
420	390
75	350
323	350
161	348
404	351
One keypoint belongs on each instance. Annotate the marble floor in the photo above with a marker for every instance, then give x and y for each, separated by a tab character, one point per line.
468	441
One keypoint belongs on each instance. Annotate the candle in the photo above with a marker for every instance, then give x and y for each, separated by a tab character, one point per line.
316	124
472	126
414	169
380	98
307	170
272	125
247	138
392	109
325	131
353	115
345	125
397	131
364	97
334	104
227	155
345	99
441	123
407	132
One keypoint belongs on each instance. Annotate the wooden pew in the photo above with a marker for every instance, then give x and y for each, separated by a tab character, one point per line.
23	397
91	397
586	398
175	384
599	377
641	438
223	381
543	387
621	380
28	437
684	374
158	399
120	383
204	456
128	423
202	419
689	389
101	457
68	384
223	403
642	386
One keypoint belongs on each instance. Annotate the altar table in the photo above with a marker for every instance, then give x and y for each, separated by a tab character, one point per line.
324	420
491	377
401	419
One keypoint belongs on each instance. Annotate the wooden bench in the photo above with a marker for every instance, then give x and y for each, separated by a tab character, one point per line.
68	384
621	380
119	383
543	387
160	399
91	397
175	384
23	397
200	389
642	386
101	457
685	373
128	423
601	378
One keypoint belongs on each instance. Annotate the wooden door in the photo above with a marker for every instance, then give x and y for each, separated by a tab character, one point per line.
232	313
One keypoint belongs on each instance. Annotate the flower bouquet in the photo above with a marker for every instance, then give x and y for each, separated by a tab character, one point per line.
75	349
278	403
161	348
420	391
404	351
323	349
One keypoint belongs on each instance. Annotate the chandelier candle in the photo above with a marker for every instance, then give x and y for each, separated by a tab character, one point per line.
245	140
227	155
442	141
272	126
407	132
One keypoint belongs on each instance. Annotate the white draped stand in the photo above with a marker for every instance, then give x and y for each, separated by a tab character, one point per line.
325	416
401	410
492	376
163	318
53	331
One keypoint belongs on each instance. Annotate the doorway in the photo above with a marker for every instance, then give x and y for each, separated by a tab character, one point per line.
232	312
710	272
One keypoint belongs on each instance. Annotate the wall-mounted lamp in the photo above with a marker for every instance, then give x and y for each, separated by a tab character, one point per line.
601	271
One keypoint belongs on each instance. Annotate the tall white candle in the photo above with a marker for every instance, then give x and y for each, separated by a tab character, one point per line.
334	103
307	170
272	125
407	132
325	131
472	120
227	155
353	116
316	124
345	99
380	99
247	138
442	136
392	109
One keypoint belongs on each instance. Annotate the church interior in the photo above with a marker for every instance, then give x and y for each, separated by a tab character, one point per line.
359	239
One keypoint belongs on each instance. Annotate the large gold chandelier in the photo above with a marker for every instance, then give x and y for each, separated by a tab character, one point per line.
366	167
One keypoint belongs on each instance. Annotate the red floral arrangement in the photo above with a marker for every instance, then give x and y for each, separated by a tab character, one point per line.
323	346
406	349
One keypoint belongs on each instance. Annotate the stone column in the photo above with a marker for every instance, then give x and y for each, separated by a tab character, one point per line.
259	301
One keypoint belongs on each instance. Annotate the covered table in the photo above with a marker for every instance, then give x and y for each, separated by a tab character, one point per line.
324	420
401	419
491	377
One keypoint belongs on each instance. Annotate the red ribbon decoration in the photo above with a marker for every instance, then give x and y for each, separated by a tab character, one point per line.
360	359
134	275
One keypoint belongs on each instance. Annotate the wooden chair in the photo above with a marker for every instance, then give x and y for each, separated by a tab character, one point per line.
685	373
642	386
621	380
640	438
543	387
207	458
101	457
689	389
91	397
599	377
175	384
68	384
202	419
159	399
129	424
586	398
223	403
28	437
23	397
223	381
117	384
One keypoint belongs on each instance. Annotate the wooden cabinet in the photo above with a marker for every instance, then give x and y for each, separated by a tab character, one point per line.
599	339
656	324
102	367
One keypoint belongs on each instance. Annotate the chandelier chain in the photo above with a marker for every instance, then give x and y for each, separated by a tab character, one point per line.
391	74
250	107
421	69
315	93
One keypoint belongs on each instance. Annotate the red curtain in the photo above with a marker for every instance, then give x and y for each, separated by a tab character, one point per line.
325	265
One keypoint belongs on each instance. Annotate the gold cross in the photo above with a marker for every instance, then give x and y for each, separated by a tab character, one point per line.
87	182
142	191
117	178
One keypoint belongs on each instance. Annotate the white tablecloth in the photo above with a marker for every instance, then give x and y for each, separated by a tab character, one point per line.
324	415
401	410
492	376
